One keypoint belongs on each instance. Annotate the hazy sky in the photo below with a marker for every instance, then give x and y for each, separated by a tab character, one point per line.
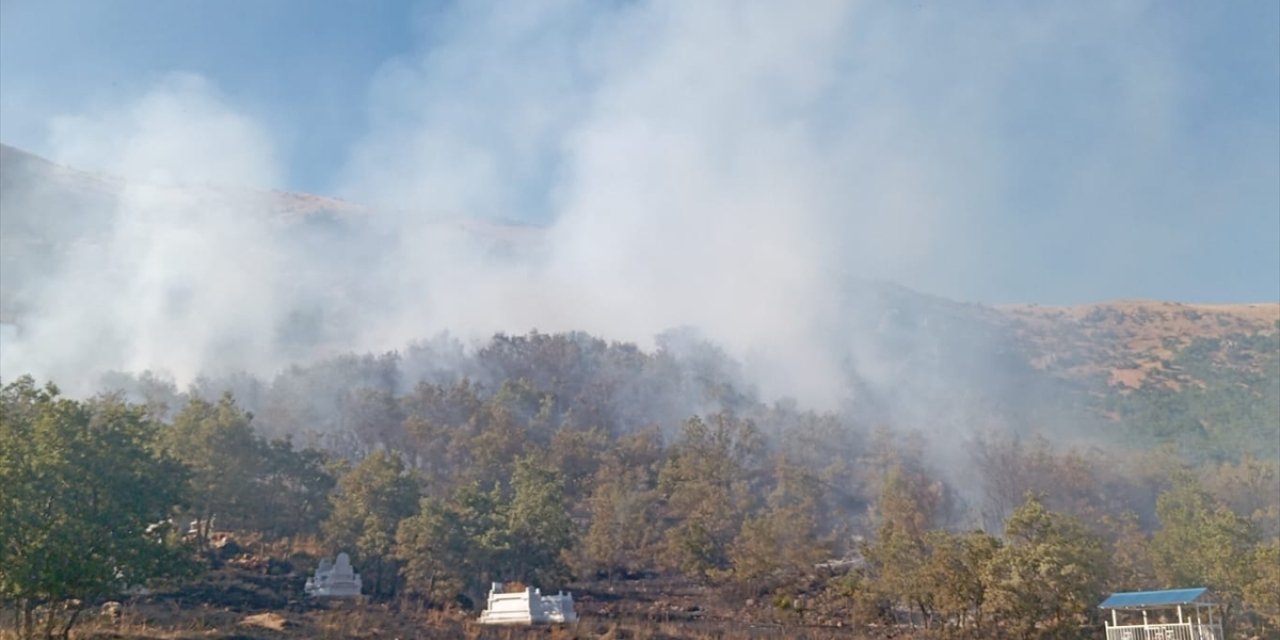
988	151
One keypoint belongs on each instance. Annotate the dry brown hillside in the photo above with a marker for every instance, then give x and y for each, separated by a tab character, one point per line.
1132	342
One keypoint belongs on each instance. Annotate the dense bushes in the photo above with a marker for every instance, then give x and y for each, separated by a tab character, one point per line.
541	458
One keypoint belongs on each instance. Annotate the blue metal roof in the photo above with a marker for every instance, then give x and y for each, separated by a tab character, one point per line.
1144	599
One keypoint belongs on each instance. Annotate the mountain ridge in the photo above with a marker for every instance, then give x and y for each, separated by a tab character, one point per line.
1127	357
1136	329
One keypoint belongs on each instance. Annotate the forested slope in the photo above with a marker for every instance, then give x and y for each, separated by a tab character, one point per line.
985	470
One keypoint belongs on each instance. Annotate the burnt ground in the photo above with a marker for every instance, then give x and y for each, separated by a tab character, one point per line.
232	603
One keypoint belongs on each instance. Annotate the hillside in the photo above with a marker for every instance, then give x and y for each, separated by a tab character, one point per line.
1133	343
665	485
1206	375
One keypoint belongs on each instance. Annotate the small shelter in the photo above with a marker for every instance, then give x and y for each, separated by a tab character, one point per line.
527	607
336	580
1175	614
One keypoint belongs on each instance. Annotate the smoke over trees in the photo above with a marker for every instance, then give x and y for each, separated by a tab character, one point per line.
711	212
548	458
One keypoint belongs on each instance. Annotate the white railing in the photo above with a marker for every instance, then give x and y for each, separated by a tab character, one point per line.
1171	631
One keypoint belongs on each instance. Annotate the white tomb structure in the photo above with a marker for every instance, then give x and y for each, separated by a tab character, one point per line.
336	580
527	607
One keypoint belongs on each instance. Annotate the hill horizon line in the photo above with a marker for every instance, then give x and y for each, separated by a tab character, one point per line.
306	203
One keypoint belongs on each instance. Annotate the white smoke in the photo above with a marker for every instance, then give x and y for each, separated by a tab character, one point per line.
722	165
185	278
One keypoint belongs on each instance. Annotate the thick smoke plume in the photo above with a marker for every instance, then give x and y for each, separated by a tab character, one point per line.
726	166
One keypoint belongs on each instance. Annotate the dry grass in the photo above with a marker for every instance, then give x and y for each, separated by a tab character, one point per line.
362	620
1128	342
269	620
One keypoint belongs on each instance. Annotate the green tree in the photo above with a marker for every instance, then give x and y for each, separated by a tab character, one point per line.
706	484
577	454
538	525
954	574
368	506
624	532
226	459
515	420
375	417
1047	576
85	502
452	549
1262	595
909	506
787	538
1250	487
296	485
1202	542
437	418
1130	554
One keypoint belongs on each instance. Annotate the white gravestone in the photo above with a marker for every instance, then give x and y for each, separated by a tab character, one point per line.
527	607
335	580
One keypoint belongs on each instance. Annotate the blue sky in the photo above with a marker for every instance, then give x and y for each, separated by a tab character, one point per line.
303	67
987	151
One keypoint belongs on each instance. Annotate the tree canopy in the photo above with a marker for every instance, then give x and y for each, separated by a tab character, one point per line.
86	499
